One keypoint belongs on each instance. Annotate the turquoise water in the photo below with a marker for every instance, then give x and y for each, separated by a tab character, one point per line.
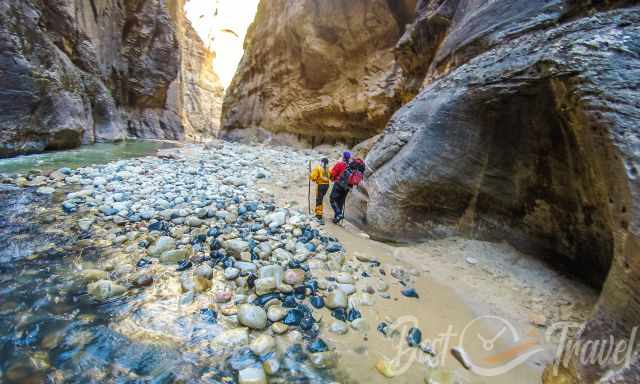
82	156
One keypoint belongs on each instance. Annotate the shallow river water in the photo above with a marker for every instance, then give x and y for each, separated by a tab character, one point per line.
165	330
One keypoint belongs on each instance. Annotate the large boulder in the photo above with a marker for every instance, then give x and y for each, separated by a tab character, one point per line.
525	128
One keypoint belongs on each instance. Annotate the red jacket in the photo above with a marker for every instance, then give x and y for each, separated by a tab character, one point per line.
336	170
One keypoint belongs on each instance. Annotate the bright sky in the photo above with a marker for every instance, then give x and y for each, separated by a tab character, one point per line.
222	25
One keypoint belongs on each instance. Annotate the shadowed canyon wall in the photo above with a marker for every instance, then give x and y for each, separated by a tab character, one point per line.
81	71
526	127
317	71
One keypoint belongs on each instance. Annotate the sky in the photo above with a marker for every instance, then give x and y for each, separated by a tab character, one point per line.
222	25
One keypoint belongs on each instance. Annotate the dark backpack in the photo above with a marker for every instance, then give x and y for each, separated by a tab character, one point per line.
353	175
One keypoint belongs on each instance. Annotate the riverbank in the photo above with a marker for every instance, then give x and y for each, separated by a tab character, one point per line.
102	297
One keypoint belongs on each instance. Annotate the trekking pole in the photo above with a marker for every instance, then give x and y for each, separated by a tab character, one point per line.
309	190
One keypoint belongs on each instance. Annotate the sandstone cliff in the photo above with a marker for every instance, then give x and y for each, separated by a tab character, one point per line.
525	127
76	71
318	71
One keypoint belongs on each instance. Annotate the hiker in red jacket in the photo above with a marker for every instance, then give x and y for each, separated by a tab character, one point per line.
351	176
340	166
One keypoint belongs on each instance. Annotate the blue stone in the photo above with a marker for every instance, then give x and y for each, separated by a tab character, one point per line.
410	292
318	345
317	301
414	337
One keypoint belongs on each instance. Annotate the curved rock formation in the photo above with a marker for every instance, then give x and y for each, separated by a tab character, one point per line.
318	71
526	128
75	72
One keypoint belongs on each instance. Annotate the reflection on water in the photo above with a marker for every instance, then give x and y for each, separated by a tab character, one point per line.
85	155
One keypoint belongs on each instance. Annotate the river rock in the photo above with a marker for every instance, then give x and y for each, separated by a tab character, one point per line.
231	273
204	271
236	247
276	313
91	275
252	375
339	327
163	244
262	344
336	299
275	271
175	255
324	360
265	285
105	289
237	337
252	316
294	276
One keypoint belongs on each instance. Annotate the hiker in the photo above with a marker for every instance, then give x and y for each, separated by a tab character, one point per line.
321	176
349	178
340	166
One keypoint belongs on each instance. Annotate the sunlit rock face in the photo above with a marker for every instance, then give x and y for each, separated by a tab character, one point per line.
525	128
77	72
317	71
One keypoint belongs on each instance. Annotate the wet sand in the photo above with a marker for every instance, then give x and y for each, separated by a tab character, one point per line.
461	283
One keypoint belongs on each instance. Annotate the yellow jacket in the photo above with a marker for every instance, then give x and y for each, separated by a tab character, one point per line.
319	175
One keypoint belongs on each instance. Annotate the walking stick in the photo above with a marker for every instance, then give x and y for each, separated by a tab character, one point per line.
309	190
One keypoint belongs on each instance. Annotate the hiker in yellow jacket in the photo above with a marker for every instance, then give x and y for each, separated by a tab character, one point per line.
320	176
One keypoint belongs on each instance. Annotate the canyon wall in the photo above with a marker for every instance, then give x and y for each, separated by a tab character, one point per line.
526	128
81	71
318	71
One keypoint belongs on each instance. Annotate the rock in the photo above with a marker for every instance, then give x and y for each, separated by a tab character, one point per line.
222	296
265	285
345	278
201	284
324	360
236	247
45	190
294	276
163	244
175	255
252	375
252	316
233	338
246	267
414	337
410	292
91	275
471	260
336	299
385	367
143	280
204	271
348	289
360	325
338	327
105	289
262	345
274	271
231	273
276	219
279	328
276	313
271	366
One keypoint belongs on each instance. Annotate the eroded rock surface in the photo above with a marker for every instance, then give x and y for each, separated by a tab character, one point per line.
317	71
77	72
525	129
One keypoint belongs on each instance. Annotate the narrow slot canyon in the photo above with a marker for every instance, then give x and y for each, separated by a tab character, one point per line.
160	162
